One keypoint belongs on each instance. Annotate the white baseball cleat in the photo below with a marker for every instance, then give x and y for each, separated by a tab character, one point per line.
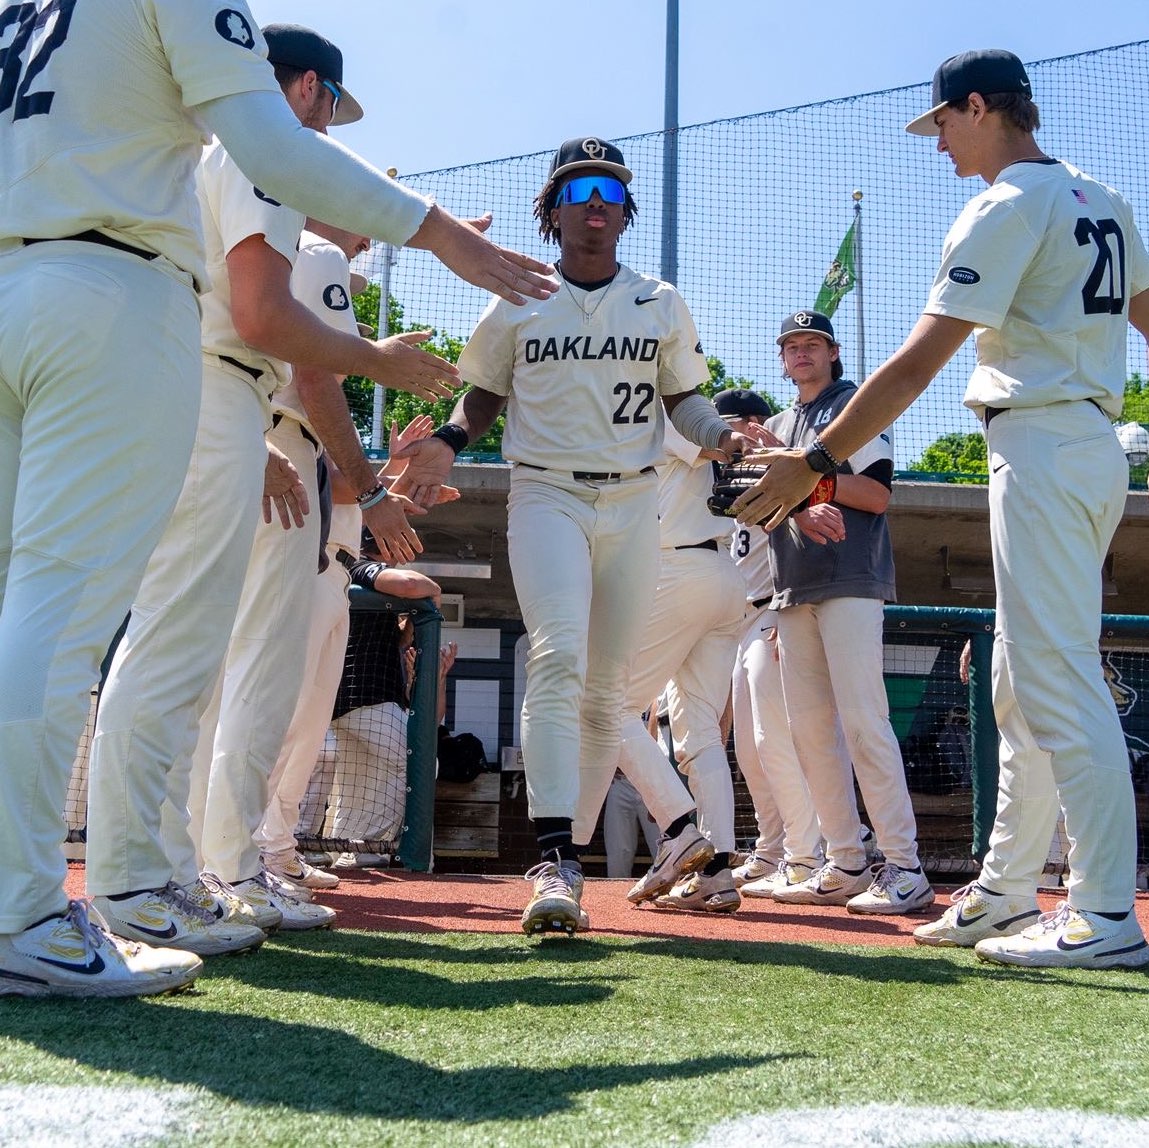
75	955
556	899
168	917
263	891
677	856
294	870
702	894
893	890
976	913
787	873
1071	939
754	868
826	886
218	898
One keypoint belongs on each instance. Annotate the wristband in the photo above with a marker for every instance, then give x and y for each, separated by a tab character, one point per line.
368	497
453	435
374	497
819	458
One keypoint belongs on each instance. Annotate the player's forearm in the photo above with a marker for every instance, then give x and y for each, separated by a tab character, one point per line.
895	384
326	405
476	411
311	172
861	493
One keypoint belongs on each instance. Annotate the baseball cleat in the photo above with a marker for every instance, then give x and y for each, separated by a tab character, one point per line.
894	890
555	905
754	868
677	857
826	886
975	914
168	917
265	891
702	894
1071	939
75	955
786	874
295	871
218	898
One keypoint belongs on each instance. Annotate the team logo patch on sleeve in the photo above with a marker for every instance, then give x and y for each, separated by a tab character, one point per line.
335	298
966	276
233	26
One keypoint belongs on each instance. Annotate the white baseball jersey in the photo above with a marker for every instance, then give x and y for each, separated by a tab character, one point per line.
684	484
234	210
1045	262
94	126
588	370
750	549
321	281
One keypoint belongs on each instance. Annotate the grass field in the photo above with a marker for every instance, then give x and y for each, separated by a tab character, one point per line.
492	1039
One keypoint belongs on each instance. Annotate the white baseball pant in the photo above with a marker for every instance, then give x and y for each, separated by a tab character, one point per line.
1057	491
787	824
169	659
832	659
623	814
97	421
584	557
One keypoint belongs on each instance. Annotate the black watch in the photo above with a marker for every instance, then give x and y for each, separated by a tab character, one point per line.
819	459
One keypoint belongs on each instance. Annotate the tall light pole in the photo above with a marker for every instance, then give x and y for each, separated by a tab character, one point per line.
670	150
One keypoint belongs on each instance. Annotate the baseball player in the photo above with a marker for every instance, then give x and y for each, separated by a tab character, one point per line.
1046	268
100	128
690	638
585	378
789	845
829	600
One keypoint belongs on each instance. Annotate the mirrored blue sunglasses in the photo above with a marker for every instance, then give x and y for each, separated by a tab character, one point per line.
580	189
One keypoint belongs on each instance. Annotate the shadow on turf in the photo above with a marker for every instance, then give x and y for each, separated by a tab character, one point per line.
312	1068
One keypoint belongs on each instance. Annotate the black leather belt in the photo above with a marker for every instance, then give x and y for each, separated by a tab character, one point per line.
709	544
277	418
95	237
758	603
254	372
594	475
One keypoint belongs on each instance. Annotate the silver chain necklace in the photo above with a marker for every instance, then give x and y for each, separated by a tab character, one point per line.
587	316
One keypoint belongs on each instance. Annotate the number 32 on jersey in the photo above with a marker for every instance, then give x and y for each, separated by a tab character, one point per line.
26	31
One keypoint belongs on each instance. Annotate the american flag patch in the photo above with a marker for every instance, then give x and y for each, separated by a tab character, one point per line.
1080	196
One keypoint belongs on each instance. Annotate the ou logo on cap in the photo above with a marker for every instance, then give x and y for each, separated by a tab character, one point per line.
802	319
594	148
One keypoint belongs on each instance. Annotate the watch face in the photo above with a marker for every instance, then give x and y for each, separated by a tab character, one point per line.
817	459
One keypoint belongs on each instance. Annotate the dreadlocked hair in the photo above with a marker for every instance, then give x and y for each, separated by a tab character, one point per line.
547	200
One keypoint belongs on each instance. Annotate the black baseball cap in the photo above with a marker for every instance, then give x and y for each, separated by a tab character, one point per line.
300	47
735	402
986	70
589	151
802	322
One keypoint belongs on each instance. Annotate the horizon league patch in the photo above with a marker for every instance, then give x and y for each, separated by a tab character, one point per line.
234	28
966	276
335	298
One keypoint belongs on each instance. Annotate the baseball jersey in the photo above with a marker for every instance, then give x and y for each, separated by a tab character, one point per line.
321	281
583	372
97	128
234	210
1044	261
684	484
860	566
750	549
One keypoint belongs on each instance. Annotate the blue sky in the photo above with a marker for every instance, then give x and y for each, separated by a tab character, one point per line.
449	82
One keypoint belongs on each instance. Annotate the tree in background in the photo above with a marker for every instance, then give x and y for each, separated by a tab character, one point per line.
1136	410
402	407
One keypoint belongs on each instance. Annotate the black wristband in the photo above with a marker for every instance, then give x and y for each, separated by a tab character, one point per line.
453	435
819	459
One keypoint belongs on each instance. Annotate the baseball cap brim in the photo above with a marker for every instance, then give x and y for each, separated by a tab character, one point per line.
358	283
348	111
366	330
615	169
924	125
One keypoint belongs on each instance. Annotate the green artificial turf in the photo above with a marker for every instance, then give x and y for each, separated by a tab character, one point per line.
479	1039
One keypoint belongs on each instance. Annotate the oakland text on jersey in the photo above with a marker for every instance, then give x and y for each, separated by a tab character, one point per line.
587	347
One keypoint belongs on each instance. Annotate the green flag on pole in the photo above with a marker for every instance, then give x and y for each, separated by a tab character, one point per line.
839	281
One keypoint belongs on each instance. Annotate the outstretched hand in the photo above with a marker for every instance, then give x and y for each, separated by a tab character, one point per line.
788	482
283	490
403	366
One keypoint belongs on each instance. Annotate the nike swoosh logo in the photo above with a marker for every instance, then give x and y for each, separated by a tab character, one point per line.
903	896
1071	946
639	300
962	919
93	968
159	934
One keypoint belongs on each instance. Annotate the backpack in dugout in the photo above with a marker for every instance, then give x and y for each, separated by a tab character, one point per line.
461	756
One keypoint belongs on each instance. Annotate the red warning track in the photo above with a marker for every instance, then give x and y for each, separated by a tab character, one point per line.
392	901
